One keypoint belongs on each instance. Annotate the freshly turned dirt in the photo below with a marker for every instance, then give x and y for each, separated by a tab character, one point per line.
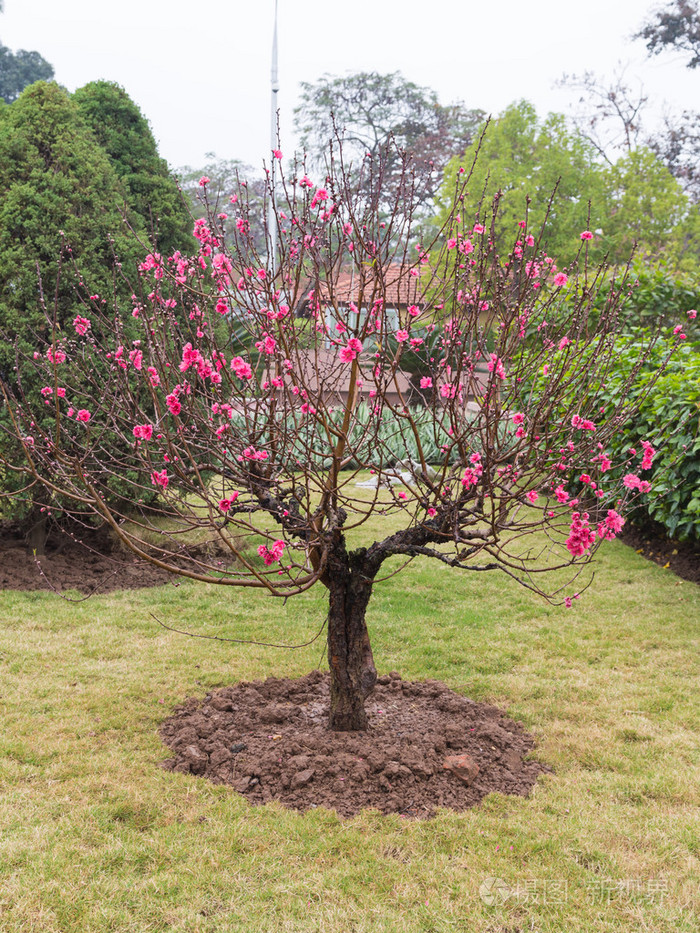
269	740
89	563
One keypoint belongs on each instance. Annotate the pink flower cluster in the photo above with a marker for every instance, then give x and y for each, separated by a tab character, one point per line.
82	325
632	481
250	453
648	457
225	504
495	364
582	424
272	555
160	479
350	350
241	368
580	535
143	432
473	473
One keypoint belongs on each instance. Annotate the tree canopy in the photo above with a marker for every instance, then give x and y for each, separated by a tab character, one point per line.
631	202
20	69
61	201
125	136
374	113
526	159
675	27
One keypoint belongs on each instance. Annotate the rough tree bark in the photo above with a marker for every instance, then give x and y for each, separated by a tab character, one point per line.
353	674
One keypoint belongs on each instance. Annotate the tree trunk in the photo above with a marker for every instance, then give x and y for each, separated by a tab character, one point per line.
353	674
37	533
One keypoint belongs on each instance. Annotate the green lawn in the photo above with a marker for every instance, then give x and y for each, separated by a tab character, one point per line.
94	836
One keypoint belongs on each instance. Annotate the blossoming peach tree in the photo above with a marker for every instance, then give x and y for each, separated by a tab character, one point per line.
305	427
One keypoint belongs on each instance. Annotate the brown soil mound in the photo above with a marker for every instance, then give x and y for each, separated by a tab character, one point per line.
270	741
91	562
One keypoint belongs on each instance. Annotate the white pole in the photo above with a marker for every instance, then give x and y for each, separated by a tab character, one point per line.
272	217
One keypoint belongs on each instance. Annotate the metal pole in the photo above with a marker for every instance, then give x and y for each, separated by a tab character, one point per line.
274	142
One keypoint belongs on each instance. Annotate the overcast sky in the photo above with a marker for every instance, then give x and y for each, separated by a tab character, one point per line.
200	72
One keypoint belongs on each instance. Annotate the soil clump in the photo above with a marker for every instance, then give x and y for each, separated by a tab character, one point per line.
427	747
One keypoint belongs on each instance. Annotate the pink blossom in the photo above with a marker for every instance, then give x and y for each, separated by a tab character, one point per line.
47	390
190	357
154	261
451	243
586	235
250	453
567	602
83	415
631	481
55	355
692	314
495	364
319	197
478	228
561	494
173	404
306	182
532	495
241	368
204	180
277	153
649	454
160	479
272	555
153	376
432	512
448	391
612	525
426	382
136	357
414	310
267	345
225	504
561	278
82	325
402	495
143	432
580	537
518	417
402	336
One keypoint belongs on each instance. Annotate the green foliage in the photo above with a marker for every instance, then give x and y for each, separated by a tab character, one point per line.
20	69
525	157
656	296
648	209
125	136
57	187
669	419
541	167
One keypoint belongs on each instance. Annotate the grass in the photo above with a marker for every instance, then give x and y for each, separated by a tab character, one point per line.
95	837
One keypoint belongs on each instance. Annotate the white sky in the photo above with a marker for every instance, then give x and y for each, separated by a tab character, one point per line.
201	72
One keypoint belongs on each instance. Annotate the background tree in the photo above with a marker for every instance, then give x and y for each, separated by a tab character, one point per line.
377	113
20	69
265	450
675	27
525	159
228	178
57	189
125	136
